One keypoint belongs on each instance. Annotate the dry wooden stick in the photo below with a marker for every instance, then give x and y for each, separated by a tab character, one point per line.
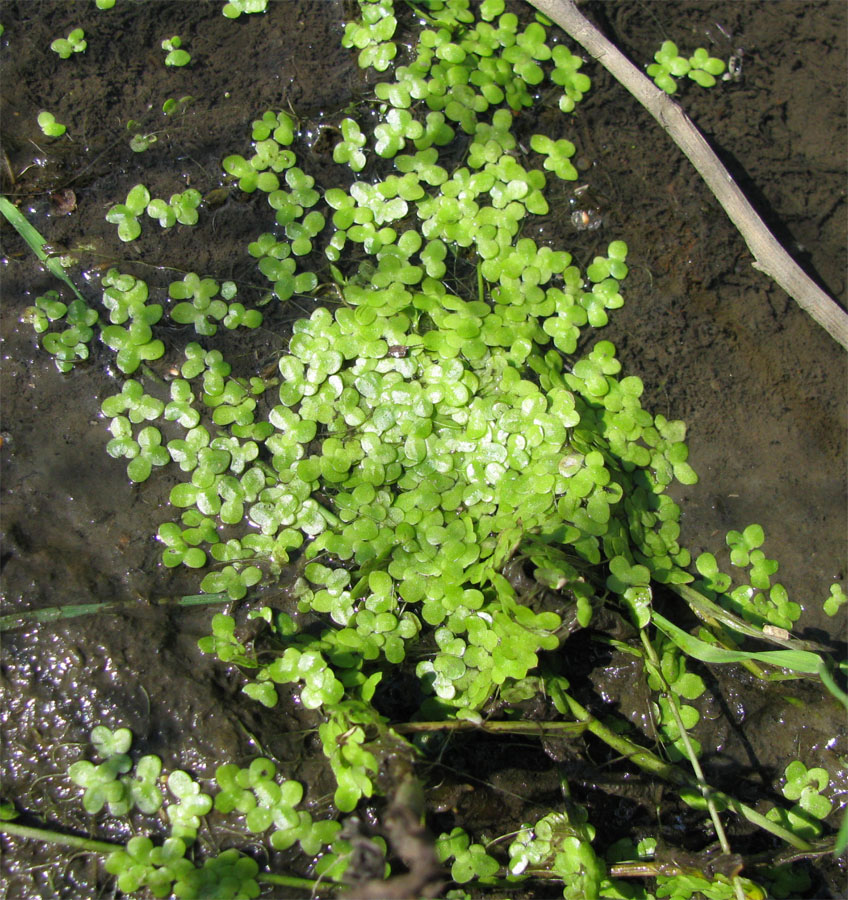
769	256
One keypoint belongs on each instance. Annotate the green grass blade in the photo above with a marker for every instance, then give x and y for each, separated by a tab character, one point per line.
706	609
54	837
842	836
36	242
801	661
72	610
829	682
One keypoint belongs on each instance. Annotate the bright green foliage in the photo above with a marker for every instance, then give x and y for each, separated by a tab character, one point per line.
48	124
432	444
801	823
321	687
224	876
180	208
669	65
265	801
558	154
136	343
69	345
742	543
203	308
759	602
141	141
107	784
560	842
805	786
234	580
172	106
371	35
125	297
234	8
134	402
343	738
142	864
435	440
470	861
279	125
144	786
224	643
163	869
835	601
48	308
110	743
271	134
72	343
451	425
683	886
704	67
715	581
672	675
8	813
184	815
256	794
178	549
176	56
125	215
102	784
144	452
574	83
74	43
349	149
180	408
392	134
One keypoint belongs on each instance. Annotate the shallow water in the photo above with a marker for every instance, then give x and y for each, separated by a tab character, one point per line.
716	344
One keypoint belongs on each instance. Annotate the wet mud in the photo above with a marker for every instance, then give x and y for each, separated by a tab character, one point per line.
716	344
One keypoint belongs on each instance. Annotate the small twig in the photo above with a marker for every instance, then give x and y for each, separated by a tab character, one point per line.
769	256
90	845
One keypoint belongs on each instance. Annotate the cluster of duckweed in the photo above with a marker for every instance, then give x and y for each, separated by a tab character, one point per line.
417	438
253	796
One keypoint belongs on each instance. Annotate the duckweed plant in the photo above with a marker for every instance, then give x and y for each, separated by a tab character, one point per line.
669	66
455	468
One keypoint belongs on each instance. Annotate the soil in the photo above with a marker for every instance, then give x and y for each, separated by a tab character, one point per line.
760	385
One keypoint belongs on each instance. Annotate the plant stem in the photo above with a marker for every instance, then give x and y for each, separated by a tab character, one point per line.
54	837
93	846
706	791
649	762
292	881
769	257
539	729
684	736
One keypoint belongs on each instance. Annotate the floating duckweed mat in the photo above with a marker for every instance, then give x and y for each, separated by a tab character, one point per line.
465	484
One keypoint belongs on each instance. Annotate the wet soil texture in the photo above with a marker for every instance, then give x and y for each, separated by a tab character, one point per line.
716	344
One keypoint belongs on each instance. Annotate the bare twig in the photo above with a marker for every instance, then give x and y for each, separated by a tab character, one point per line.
769	256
